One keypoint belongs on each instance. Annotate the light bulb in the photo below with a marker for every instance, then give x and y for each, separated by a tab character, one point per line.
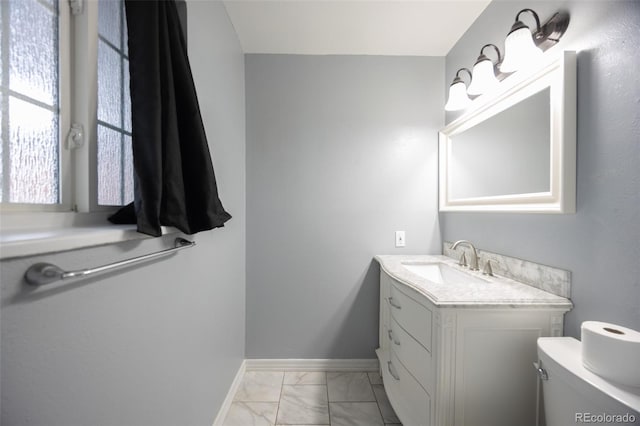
519	50
484	78
458	98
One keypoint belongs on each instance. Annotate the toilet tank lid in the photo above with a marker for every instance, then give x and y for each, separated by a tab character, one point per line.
563	356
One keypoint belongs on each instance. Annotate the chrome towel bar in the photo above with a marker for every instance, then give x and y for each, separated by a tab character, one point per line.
45	273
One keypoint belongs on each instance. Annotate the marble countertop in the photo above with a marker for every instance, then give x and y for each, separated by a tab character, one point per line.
493	292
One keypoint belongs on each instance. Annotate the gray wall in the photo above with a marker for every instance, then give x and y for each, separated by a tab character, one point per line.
599	244
157	344
341	152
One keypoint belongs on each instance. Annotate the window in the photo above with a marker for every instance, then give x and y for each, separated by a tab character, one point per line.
30	101
115	157
39	171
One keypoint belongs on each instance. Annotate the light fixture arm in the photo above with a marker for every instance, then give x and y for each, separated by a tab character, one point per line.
458	79
484	57
535	15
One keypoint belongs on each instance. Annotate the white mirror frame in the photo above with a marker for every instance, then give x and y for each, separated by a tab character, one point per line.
559	75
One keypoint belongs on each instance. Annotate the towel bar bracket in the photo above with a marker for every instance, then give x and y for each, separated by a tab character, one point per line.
44	273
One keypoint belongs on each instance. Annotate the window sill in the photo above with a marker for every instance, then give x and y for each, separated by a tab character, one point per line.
56	234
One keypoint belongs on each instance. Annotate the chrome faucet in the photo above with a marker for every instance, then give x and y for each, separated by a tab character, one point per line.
473	263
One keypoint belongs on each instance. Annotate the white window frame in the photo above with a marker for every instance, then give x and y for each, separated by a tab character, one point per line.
85	107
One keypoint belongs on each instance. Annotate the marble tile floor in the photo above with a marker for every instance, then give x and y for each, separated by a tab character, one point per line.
311	398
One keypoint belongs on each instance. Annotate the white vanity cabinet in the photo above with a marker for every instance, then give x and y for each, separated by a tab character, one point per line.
405	354
461	363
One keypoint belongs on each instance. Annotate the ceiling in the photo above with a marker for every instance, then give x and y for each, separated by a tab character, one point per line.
352	27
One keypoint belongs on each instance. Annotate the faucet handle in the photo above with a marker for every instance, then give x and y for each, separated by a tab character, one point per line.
487	270
463	260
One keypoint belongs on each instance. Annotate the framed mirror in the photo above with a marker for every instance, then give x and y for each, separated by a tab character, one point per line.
514	150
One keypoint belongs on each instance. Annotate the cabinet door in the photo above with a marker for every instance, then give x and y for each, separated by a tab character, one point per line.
495	381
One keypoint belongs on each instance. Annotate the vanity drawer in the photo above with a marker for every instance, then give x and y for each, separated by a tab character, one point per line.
410	402
411	316
413	356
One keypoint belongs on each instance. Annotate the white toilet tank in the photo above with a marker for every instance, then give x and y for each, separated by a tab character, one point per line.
573	395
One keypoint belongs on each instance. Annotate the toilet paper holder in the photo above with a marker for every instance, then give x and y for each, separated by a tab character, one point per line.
542	373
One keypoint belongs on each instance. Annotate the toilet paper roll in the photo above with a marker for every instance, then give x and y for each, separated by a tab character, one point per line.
611	351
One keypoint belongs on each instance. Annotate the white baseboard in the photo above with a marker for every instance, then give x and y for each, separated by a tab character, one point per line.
312	365
226	404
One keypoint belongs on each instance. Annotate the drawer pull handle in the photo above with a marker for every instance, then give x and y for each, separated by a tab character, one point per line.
391	371
397	342
394	304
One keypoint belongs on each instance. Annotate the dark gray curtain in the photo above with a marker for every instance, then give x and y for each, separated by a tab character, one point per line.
175	181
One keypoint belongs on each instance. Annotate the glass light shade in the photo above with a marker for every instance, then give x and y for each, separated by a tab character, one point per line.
484	78
519	50
458	98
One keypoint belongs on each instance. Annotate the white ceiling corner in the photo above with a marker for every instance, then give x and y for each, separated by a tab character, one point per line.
352	27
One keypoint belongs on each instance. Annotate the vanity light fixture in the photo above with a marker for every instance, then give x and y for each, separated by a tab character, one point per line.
522	48
484	78
458	98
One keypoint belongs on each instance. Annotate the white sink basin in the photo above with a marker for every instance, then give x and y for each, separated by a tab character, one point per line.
441	273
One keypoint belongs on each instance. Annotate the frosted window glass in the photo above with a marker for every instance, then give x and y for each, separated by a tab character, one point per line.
127	98
128	171
109	167
114	107
33	153
125	34
109	85
2	30
29	100
2	103
1	153
33	53
109	20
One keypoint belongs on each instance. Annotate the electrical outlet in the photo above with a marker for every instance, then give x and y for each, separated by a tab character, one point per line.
400	242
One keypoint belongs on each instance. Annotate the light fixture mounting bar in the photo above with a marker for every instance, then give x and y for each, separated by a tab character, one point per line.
550	33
